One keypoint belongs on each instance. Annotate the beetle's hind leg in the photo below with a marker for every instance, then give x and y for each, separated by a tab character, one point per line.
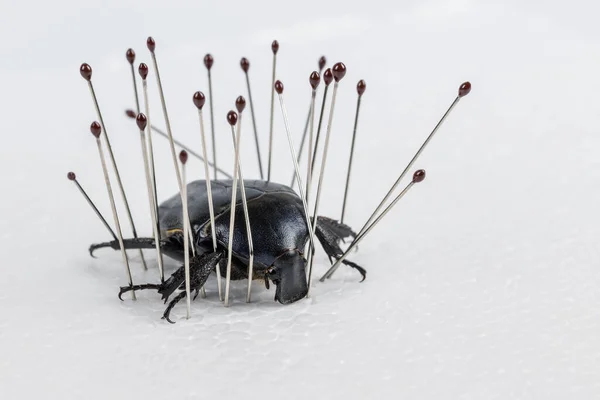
329	236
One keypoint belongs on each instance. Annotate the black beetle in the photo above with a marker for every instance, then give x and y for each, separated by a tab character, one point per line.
279	231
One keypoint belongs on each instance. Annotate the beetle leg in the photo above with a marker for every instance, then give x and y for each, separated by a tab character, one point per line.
171	305
125	289
135	243
329	241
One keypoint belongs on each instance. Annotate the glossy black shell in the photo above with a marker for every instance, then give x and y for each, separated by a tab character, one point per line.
276	217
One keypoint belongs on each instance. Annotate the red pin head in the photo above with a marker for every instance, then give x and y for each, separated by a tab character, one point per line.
86	71
199	100
419	176
151	44
464	89
322	62
314	80
208	61
279	87
130	113
71	176
143	70
130	55
232	117
245	64
240	104
141	121
361	86
327	76
275	46
183	156
96	129
339	71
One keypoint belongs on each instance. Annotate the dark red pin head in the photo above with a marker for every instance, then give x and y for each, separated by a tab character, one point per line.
96	129
419	176
339	71
240	104
245	64
86	71
327	76
141	121
464	89
279	87
130	113
199	100
208	61
361	86
143	70
71	176
322	62
232	117
130	55
275	46
151	44
314	80
183	156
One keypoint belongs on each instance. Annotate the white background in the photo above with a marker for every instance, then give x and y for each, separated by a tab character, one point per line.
484	282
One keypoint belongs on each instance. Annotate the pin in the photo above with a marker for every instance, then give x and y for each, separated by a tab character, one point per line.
142	121
245	64
130	55
418	176
232	119
131	114
339	71
327	79
240	104
311	111
183	156
199	101
96	130
314	80
151	44
360	88
86	72
73	177
275	49
143	71
463	90
279	90
208	63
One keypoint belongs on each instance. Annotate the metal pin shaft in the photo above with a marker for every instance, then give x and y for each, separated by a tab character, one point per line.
246	214
297	169
314	156
91	203
304	132
169	133
232	217
254	126
214	151
150	163
114	164
210	201
115	216
190	151
350	160
186	245
321	176
152	204
271	120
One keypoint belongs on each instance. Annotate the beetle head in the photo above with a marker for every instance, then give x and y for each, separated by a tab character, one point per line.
288	273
